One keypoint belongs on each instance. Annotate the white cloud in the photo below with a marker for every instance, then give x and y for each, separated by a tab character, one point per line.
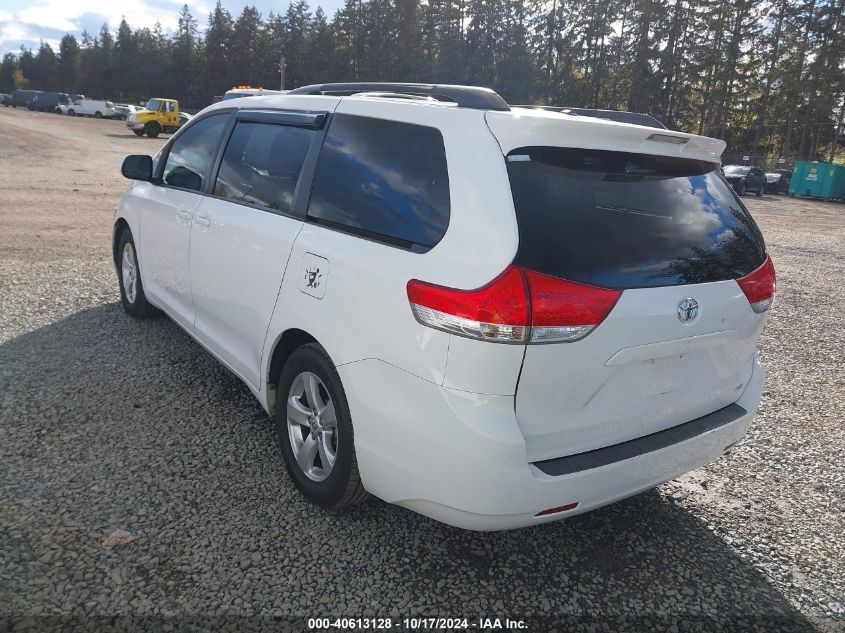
13	34
44	19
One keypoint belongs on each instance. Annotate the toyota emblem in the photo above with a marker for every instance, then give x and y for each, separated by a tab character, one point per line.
687	310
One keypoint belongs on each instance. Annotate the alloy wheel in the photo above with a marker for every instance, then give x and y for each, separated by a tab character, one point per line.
129	272
312	426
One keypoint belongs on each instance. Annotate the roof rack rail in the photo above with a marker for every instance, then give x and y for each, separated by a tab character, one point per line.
405	96
472	97
635	118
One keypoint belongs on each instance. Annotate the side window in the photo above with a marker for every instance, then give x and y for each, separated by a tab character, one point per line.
190	155
262	163
383	179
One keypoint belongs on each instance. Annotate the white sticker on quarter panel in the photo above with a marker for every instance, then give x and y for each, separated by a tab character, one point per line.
313	275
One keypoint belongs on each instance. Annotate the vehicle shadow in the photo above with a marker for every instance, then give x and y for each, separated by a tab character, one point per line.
107	422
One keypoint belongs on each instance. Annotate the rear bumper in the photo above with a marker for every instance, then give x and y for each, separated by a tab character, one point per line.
460	458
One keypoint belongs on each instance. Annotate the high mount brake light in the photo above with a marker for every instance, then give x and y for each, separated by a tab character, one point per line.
519	306
760	286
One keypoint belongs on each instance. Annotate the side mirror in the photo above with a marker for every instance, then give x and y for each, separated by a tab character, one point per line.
137	167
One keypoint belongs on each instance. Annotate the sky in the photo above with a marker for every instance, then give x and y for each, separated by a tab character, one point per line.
28	22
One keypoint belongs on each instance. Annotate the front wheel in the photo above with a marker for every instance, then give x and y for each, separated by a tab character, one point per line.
759	192
71	112
152	129
98	115
314	430
740	189
138	132
129	276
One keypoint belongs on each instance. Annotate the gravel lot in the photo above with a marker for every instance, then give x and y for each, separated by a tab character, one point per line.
108	423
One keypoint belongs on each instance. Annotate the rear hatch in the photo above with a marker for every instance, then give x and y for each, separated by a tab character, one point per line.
669	233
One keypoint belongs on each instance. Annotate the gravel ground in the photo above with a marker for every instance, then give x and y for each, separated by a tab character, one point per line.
107	424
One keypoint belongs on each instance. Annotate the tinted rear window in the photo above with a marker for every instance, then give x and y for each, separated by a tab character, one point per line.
621	220
385	180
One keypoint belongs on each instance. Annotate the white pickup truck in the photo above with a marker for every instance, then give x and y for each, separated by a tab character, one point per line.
92	107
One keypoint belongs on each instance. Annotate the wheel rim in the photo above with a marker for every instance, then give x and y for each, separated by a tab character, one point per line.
312	426
129	273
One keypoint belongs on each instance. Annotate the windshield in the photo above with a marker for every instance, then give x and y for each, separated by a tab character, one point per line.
624	220
153	104
737	170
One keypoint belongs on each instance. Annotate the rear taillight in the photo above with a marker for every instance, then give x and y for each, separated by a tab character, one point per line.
496	312
519	306
564	310
760	285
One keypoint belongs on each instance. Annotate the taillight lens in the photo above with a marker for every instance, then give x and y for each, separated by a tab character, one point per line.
497	312
760	286
519	306
564	310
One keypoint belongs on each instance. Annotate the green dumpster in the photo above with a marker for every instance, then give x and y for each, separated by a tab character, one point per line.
818	180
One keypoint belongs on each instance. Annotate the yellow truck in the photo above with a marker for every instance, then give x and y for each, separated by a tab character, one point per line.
159	115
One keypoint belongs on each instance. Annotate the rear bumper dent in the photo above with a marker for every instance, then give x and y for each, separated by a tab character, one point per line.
460	458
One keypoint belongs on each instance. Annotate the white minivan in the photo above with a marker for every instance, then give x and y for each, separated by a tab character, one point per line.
92	107
495	316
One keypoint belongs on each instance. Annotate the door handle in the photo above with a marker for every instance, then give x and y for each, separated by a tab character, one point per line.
202	220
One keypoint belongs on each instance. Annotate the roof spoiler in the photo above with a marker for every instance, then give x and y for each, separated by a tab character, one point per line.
635	118
472	97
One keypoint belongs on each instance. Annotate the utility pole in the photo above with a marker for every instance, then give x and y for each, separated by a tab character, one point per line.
282	64
835	144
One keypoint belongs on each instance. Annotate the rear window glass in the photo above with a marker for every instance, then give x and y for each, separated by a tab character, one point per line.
385	180
622	220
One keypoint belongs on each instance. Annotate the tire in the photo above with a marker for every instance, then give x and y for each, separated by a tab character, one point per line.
310	370
98	115
139	132
71	112
740	189
759	192
131	289
152	129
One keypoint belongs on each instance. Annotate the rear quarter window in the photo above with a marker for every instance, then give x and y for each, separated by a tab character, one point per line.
385	180
623	220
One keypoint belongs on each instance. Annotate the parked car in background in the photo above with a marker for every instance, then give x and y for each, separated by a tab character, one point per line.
494	316
92	107
3	97
746	178
20	98
71	97
123	110
159	115
184	117
777	181
48	101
